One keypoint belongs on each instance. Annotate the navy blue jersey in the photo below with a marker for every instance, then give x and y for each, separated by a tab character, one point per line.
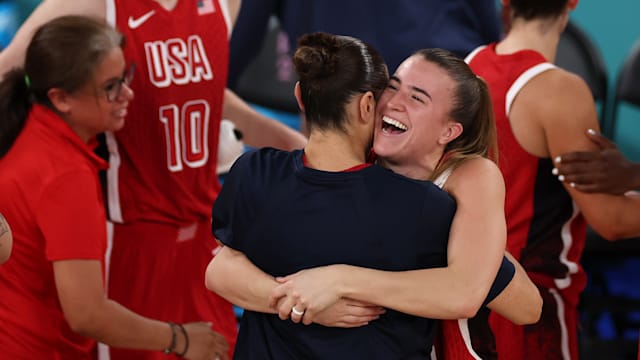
396	28
285	217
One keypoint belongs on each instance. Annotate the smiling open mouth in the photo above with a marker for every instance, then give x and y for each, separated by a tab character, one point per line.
392	126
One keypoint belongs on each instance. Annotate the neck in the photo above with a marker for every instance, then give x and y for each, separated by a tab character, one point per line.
541	35
420	170
333	150
167	4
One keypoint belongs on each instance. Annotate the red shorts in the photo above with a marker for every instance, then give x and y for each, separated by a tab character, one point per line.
158	271
555	336
465	339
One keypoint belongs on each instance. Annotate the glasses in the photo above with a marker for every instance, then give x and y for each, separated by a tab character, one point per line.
113	89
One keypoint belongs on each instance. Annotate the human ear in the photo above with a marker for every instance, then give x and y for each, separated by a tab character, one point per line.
60	100
298	94
367	106
453	130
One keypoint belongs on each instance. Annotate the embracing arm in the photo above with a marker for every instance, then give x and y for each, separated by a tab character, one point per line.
13	55
6	240
476	247
90	313
231	275
520	301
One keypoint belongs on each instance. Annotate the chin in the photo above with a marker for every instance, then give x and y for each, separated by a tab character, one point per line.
383	150
117	125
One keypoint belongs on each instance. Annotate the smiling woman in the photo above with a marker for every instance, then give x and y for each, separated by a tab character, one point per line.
74	84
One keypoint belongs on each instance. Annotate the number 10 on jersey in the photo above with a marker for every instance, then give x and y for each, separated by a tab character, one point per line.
186	134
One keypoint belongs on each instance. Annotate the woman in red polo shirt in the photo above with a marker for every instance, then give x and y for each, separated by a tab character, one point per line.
74	85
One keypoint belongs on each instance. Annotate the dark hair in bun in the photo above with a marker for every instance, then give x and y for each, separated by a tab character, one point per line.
332	69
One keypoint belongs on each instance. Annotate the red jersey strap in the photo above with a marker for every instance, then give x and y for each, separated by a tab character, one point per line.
351	169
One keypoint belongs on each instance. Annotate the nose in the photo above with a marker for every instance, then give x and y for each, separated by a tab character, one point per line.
395	101
126	92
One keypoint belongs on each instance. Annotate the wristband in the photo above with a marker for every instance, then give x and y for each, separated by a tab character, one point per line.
172	347
186	341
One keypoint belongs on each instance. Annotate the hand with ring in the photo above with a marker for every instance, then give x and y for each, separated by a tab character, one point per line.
295	311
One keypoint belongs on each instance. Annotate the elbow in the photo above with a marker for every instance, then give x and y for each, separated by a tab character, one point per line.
532	312
611	233
467	312
83	322
212	277
466	308
209	278
614	228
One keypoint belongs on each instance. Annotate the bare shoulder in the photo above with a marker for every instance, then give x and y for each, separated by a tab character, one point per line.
557	93
479	167
562	106
474	175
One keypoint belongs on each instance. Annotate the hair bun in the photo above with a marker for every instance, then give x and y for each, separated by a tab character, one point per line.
315	56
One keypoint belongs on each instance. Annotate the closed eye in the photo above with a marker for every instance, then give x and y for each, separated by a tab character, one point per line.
417	98
111	85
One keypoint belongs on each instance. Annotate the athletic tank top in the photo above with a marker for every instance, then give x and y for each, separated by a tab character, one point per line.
545	229
163	162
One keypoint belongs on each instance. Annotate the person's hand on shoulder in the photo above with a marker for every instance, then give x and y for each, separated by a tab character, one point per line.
604	171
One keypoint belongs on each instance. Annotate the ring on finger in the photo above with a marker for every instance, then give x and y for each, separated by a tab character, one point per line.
296	311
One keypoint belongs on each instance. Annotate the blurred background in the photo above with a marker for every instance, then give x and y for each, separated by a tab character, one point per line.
601	37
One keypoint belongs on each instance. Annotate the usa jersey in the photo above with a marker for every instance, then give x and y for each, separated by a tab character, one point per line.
163	163
545	229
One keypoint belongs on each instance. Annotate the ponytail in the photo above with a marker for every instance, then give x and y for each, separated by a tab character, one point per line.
15	103
478	139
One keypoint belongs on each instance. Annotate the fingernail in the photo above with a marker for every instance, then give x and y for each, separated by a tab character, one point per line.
558	159
572	184
561	177
554	171
591	131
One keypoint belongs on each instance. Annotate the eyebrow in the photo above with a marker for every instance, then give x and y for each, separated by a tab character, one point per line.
414	88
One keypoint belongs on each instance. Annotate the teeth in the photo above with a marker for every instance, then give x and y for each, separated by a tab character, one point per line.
395	123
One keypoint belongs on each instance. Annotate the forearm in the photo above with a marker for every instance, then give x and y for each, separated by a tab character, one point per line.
117	326
520	301
90	313
433	293
257	129
614	217
231	275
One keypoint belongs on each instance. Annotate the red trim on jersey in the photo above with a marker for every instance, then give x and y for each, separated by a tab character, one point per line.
351	169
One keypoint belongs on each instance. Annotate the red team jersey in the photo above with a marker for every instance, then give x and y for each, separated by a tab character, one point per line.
163	163
545	230
162	179
52	199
